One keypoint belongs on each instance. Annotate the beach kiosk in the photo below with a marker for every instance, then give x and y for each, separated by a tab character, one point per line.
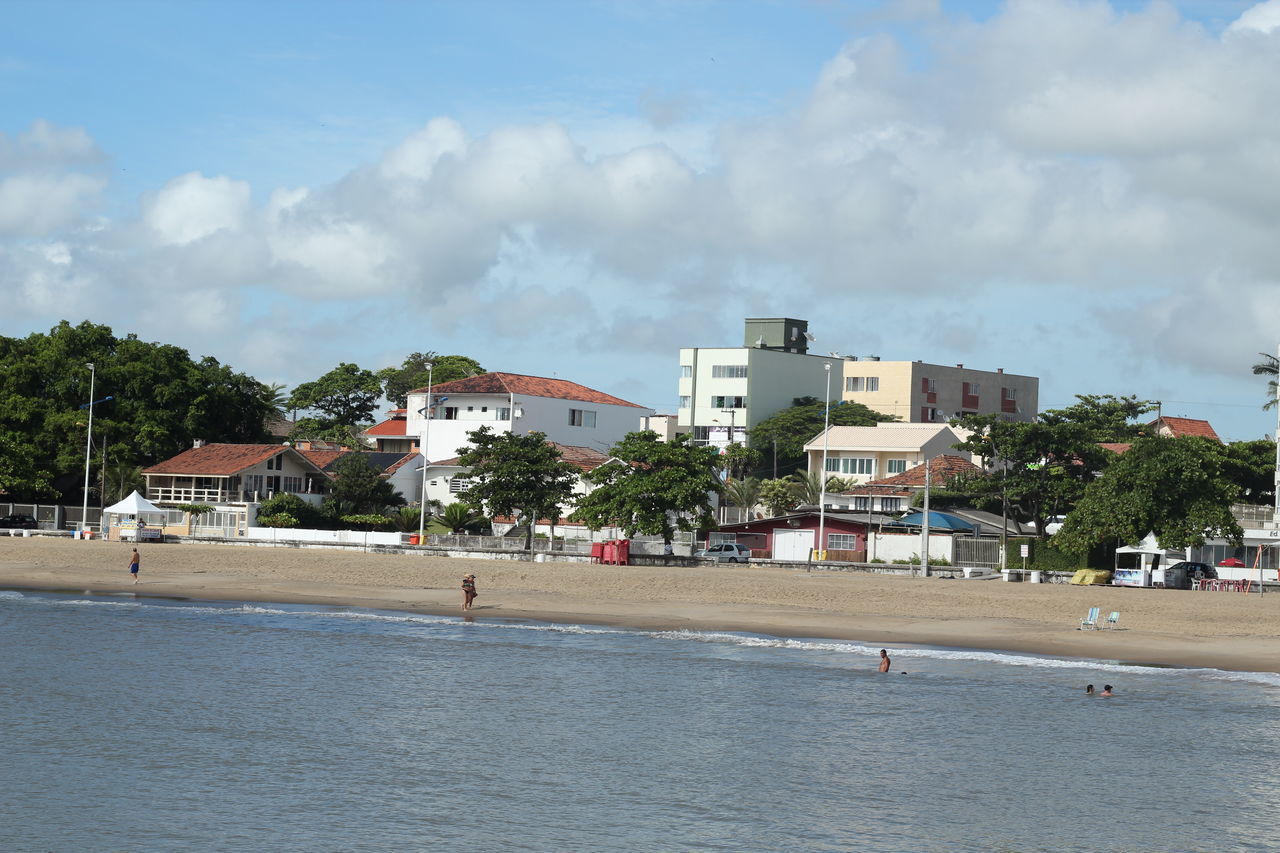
134	519
1144	564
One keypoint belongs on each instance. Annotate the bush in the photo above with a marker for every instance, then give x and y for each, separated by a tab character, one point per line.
366	521
302	513
279	519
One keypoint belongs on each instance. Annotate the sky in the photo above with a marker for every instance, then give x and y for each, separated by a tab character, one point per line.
1079	191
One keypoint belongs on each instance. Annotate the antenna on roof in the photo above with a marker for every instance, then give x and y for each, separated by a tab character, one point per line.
808	336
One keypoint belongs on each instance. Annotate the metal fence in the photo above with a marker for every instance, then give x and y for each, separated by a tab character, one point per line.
53	516
975	551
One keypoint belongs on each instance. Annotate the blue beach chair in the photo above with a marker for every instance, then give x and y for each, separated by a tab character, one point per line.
1090	622
1112	619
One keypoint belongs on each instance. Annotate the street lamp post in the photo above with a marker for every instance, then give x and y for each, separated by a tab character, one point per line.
426	437
822	474
88	449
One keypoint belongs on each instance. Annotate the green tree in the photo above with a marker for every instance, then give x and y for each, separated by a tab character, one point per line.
1251	465
461	517
345	396
359	489
287	504
736	460
1177	488
653	487
1104	417
518	475
397	382
1269	366
777	495
151	401
807	487
792	428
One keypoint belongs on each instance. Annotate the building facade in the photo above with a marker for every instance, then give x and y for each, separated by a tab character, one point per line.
725	391
918	392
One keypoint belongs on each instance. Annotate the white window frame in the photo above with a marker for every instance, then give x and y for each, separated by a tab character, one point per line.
582	418
728	371
897	466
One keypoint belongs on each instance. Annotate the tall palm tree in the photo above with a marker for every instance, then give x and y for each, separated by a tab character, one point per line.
744	494
809	488
1269	366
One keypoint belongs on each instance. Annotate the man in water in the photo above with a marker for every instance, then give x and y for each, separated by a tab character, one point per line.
133	565
1106	690
884	661
1088	690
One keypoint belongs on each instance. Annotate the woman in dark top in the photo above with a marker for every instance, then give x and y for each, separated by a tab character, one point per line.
468	591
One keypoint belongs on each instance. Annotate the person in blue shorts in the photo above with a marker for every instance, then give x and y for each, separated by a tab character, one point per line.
133	565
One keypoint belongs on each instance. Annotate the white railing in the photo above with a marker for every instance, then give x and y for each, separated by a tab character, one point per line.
188	496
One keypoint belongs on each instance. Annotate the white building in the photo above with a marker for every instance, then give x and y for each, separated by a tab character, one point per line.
566	412
735	388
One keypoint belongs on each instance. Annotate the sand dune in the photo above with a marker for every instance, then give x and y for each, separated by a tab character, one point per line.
1223	630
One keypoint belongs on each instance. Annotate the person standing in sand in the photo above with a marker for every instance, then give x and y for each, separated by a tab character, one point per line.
134	560
884	661
468	591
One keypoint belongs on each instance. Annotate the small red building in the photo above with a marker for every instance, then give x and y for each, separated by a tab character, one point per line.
792	536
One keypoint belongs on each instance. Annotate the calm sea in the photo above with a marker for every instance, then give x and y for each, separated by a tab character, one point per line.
149	725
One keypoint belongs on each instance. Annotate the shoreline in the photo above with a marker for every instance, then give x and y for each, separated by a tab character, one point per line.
1226	631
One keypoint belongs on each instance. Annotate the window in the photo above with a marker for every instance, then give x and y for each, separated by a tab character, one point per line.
972	389
273	483
842	542
891	504
873	383
582	417
928	386
1008	393
851	465
862	383
728	402
471	408
928	414
253	483
686	371
702	434
450	413
484	408
504	413
897	466
684	402
459	484
728	371
293	484
861	503
275	463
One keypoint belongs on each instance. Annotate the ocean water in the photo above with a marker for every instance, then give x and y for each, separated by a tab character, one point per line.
136	724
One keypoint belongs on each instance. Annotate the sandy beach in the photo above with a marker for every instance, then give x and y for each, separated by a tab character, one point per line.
1220	630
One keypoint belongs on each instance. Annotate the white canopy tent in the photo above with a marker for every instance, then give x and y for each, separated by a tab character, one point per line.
135	504
128	516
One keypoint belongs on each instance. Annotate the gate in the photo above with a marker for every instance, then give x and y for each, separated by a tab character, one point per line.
976	551
792	544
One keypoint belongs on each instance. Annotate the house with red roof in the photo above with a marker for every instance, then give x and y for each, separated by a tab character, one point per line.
218	474
391	435
1170	427
566	412
864	454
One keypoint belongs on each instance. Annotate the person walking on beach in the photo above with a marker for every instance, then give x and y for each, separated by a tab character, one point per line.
468	591
884	661
133	565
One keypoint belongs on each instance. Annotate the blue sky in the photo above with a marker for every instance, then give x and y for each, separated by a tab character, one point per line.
1081	191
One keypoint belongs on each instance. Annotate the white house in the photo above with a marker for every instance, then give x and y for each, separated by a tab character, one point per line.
566	412
865	453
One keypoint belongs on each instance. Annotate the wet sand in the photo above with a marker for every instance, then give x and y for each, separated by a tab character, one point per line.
1221	630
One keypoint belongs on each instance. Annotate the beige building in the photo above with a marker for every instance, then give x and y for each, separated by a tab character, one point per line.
917	392
861	454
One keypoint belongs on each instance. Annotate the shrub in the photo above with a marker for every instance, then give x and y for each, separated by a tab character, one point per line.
279	519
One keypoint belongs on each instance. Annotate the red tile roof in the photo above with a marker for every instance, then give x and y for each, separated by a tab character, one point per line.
1115	446
217	460
531	386
322	458
941	468
1178	427
393	427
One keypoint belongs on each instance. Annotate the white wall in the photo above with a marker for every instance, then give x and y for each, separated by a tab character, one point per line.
890	547
773	380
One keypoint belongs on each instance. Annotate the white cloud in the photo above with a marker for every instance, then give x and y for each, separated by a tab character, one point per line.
1063	152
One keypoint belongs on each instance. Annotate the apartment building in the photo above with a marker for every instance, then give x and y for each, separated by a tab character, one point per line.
917	392
725	391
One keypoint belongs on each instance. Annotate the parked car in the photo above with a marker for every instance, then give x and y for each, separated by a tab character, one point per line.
1198	571
726	552
17	521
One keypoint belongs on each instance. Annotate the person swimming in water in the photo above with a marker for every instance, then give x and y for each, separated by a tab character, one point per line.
1088	690
1106	690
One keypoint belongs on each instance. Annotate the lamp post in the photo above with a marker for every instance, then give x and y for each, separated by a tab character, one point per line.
822	475
426	436
88	449
733	430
